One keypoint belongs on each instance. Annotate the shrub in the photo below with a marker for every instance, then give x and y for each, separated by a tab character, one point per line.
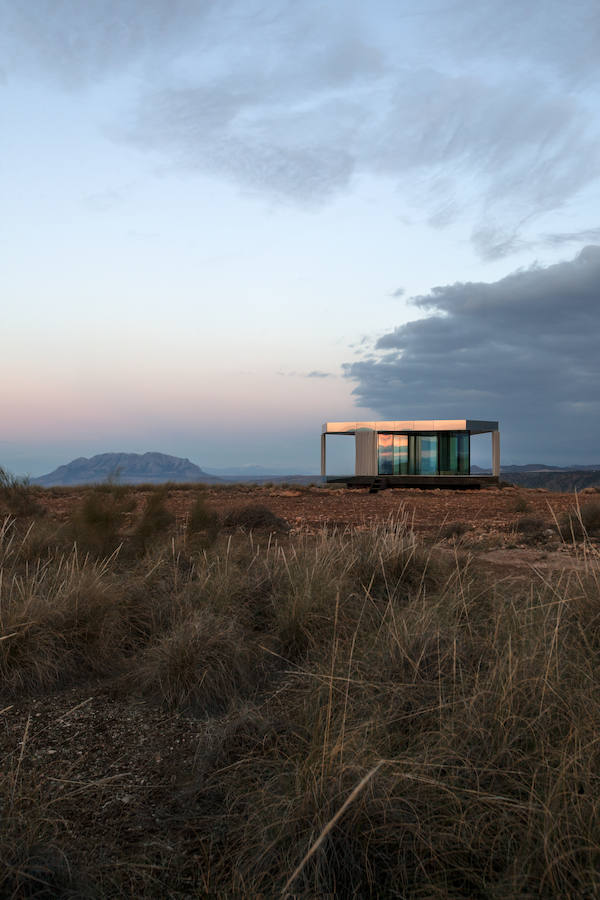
581	521
74	621
97	524
201	666
156	519
521	504
255	515
203	523
590	516
17	496
454	530
530	525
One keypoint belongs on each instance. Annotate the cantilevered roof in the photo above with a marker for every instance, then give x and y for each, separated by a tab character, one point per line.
475	426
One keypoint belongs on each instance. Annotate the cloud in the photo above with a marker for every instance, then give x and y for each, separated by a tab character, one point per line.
316	373
82	43
523	152
523	350
486	111
572	237
399	292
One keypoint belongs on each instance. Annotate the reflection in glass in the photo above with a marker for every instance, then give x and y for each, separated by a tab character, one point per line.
386	454
464	462
446	453
448	444
400	454
427	462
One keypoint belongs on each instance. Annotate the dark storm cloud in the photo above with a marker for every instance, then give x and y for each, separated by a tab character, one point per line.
523	350
486	110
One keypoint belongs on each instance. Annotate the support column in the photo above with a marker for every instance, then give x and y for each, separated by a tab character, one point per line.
323	455
496	453
366	452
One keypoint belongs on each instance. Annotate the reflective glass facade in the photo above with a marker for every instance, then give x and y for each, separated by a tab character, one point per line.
443	453
454	454
385	449
393	454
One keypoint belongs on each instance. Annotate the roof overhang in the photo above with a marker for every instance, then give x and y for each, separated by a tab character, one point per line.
475	426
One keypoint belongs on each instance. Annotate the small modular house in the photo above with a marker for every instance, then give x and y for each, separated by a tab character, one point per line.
429	453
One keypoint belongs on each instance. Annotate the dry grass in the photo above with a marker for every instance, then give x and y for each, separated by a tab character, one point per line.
255	515
582	521
17	496
370	719
156	520
97	524
203	524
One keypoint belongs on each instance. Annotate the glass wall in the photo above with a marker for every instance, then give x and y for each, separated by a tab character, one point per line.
464	453
393	454
444	453
400	454
426	454
386	454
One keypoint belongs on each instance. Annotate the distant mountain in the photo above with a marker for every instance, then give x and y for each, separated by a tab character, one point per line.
564	480
537	467
554	478
126	468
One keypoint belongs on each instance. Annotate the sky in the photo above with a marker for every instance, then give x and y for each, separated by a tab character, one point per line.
226	223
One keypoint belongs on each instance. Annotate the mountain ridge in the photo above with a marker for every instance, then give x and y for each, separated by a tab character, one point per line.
126	468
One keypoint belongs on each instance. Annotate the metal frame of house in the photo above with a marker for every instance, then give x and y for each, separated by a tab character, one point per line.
428	453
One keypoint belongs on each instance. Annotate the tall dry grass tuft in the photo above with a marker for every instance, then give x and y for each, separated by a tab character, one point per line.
67	617
203	524
582	521
18	497
202	665
155	521
97	526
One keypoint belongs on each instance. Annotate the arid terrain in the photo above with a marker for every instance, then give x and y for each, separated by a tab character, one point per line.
313	507
508	526
278	691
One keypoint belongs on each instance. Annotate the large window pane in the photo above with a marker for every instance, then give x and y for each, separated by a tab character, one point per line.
386	454
454	453
400	454
448	444
427	454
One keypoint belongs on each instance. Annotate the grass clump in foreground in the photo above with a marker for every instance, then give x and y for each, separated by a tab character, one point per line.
18	496
582	521
364	718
